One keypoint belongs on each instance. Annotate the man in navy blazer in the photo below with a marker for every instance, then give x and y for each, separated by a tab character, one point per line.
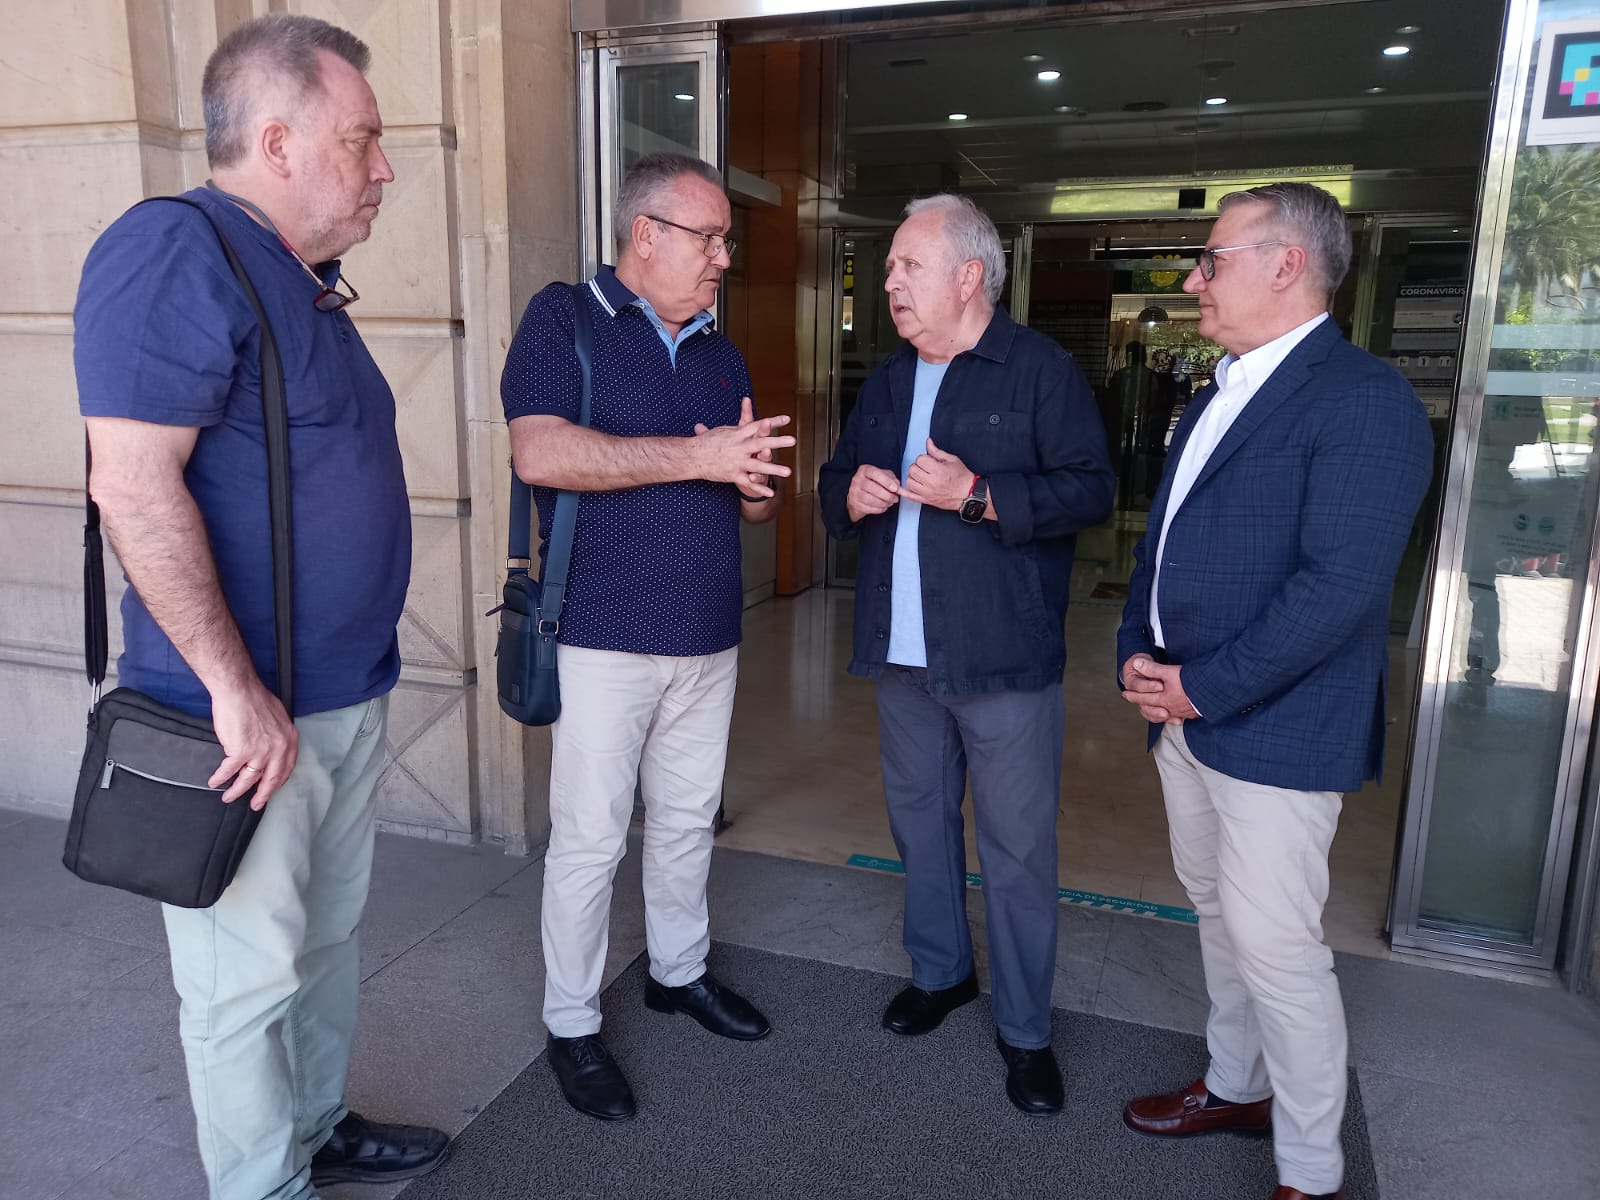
1255	642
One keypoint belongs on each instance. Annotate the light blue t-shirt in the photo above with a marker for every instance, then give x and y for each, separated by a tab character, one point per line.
907	646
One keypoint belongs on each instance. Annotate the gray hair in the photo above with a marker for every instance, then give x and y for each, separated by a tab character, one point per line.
646	185
971	235
276	47
1310	217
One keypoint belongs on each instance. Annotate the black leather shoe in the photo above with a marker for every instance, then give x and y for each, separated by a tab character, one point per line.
722	1011
916	1010
1033	1080
363	1151
590	1078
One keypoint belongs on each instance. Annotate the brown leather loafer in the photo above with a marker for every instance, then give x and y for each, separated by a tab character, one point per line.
1289	1193
1184	1114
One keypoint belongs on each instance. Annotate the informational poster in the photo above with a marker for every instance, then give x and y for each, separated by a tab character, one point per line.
1426	344
1566	89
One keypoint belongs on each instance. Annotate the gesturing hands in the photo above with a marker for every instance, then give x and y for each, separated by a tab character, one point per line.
1156	690
742	454
936	478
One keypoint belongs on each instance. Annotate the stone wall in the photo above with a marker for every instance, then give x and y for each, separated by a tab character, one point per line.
99	107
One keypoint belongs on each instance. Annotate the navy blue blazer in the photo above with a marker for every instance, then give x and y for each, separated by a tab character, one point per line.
1276	580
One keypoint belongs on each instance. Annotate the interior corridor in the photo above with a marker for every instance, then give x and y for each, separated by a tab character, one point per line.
803	778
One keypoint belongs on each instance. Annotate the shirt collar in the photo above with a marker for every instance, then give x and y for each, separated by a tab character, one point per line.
1254	367
616	296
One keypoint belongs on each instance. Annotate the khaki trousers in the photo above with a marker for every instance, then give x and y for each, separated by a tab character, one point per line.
1254	860
662	721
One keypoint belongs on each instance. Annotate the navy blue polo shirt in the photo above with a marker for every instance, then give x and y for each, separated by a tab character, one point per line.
656	569
164	333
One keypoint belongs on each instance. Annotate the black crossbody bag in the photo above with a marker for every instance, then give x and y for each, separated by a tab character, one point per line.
144	818
530	612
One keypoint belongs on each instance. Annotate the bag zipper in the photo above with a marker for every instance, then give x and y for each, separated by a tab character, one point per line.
112	765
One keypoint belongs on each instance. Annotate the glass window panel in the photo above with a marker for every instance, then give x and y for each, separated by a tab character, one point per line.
1527	542
658	108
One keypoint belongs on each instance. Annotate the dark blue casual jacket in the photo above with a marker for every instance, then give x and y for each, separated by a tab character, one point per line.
1017	410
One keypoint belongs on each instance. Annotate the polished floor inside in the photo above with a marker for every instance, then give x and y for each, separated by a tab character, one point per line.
803	776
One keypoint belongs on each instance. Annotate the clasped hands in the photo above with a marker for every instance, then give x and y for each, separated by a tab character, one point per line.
937	478
742	454
1156	690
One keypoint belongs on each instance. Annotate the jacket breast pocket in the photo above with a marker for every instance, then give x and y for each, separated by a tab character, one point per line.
995	440
880	442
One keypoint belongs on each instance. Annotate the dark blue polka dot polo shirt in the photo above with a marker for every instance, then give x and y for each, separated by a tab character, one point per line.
655	570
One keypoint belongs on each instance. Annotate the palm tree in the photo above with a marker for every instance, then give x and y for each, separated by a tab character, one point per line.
1553	227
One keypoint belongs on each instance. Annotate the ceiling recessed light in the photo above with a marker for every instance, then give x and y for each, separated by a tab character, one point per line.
1049	76
1396	51
1405	29
1215	101
1065	108
1455	231
1033	58
683	96
1376	91
958	116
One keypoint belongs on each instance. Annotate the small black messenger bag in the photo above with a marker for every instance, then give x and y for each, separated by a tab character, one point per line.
144	818
530	615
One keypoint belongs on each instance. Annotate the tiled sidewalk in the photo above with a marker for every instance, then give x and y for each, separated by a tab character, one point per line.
1474	1088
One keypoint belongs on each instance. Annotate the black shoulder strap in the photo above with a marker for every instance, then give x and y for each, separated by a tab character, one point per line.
275	424
553	580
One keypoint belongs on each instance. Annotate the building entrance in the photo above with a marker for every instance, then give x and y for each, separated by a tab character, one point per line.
1099	137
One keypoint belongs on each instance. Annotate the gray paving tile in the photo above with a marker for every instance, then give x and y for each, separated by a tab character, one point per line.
111	1056
427	1069
833	914
486	965
1439	1027
1153	976
46	967
1496	1140
147	1170
35	888
45	1152
418	886
10	816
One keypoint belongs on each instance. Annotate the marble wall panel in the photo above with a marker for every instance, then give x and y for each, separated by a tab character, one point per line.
66	63
59	194
407	268
422	368
426	780
43	444
42	712
432	633
408	58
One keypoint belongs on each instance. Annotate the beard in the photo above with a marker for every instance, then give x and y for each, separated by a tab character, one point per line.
334	228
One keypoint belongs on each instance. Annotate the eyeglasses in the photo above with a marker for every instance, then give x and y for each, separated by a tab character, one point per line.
1208	257
712	243
328	299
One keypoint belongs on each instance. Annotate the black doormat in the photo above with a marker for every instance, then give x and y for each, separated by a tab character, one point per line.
832	1106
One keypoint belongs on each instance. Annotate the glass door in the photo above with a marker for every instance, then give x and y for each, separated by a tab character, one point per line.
1510	662
648	94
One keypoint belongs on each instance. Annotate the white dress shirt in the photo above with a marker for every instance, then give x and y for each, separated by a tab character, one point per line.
1238	379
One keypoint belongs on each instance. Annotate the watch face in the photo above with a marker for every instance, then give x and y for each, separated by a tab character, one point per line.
972	509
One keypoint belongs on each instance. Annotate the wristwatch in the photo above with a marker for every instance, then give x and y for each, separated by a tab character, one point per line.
977	501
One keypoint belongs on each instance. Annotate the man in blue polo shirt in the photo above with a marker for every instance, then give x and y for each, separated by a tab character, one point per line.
671	461
167	355
973	457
